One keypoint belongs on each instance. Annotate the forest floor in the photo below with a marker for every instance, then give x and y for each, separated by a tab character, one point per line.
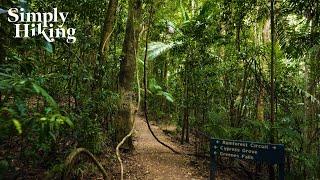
151	160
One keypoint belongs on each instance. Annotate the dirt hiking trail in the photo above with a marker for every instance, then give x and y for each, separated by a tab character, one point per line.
151	160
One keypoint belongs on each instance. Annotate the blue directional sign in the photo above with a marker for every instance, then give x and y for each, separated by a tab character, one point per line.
259	152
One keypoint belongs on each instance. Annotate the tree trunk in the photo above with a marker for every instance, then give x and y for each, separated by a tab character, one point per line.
272	78
127	72
260	104
239	82
104	43
312	77
107	29
185	124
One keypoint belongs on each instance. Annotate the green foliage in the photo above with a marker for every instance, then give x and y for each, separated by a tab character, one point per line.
213	64
4	166
220	73
155	89
47	102
92	137
17	125
157	48
43	93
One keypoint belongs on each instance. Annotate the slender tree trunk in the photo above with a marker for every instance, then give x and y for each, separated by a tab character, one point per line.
107	29
104	42
2	54
185	125
165	84
311	131
187	112
260	103
240	84
272	78
259	37
185	105
127	71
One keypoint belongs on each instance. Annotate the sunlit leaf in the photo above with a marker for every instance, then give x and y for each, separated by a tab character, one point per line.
167	95
17	125
68	121
155	49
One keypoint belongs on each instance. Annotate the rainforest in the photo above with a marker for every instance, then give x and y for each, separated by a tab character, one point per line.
160	89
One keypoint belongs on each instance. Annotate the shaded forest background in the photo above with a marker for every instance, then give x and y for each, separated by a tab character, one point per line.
208	67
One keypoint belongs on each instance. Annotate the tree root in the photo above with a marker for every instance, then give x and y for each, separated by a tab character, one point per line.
69	166
120	144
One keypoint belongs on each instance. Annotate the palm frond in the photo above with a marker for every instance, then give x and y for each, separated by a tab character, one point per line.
306	94
155	49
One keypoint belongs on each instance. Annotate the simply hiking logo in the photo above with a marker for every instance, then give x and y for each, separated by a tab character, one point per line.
51	25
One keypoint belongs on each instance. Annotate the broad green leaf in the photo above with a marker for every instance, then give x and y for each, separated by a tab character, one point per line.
17	125
68	121
183	12
44	93
167	95
153	86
